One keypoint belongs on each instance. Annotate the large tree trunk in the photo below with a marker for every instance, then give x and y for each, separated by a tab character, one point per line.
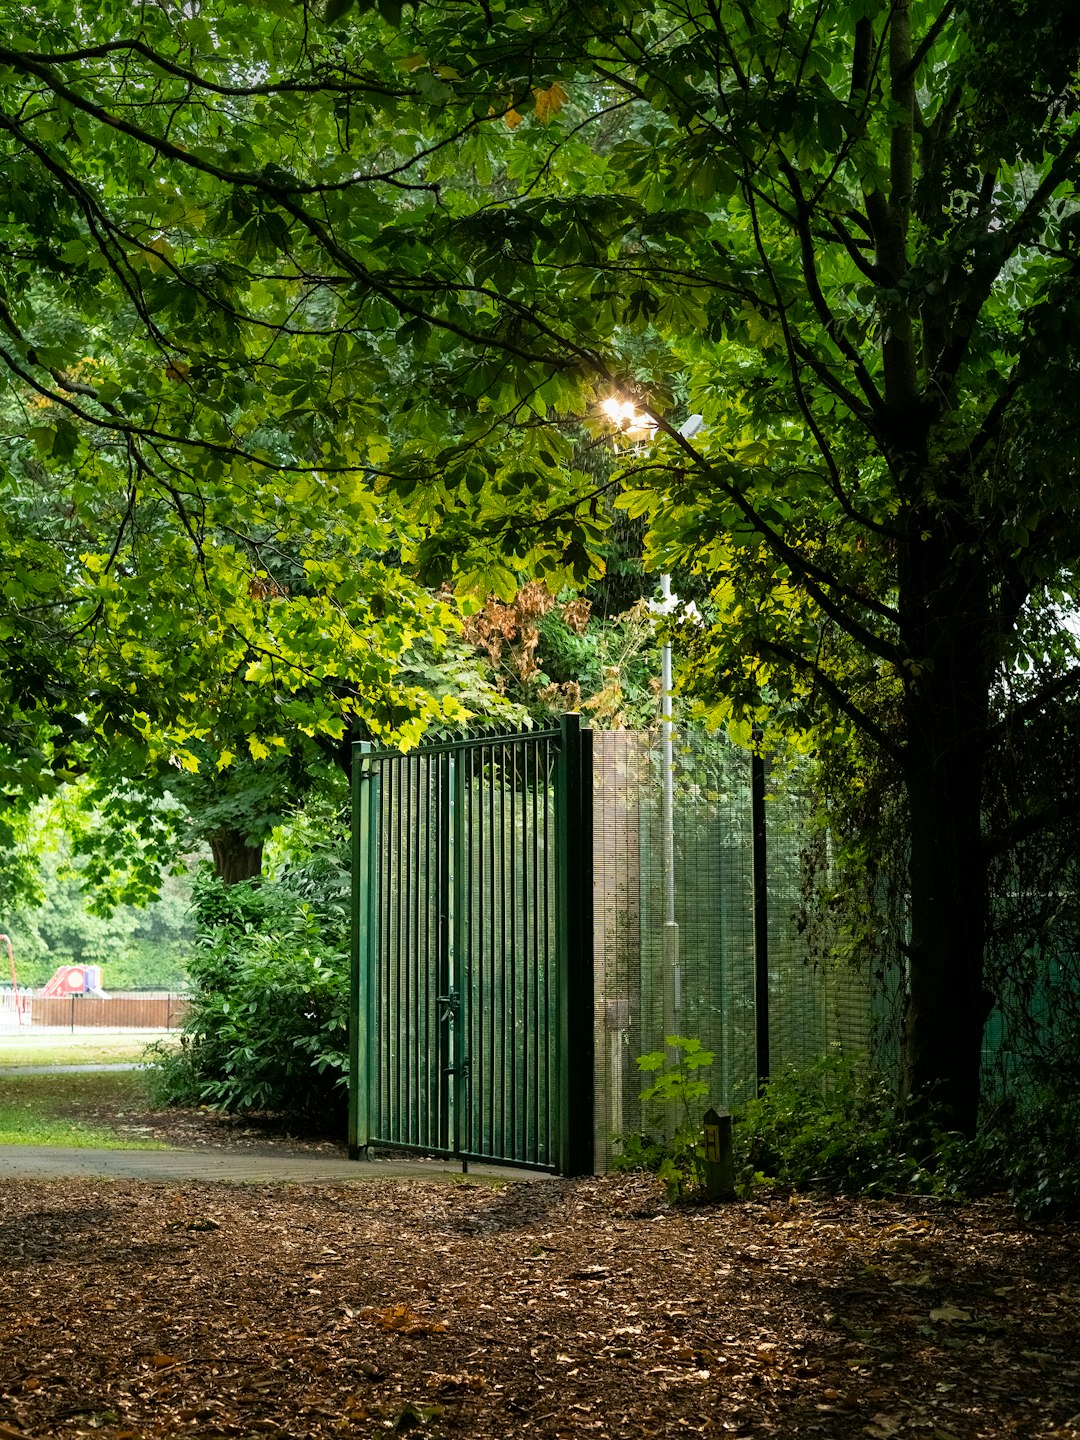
234	858
946	1009
947	710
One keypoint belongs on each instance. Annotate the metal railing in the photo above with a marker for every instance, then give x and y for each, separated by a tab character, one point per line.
141	1011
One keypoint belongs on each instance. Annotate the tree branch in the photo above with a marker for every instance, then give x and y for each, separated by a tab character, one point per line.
929	40
837	696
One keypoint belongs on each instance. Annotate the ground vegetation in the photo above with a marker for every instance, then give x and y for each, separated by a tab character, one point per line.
266	1028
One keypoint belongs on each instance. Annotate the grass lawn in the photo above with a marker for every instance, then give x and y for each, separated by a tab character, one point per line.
74	1110
64	1048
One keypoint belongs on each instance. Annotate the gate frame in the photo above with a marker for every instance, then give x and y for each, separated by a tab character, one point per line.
572	1104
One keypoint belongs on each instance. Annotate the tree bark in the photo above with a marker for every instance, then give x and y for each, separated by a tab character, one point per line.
234	858
947	703
946	1008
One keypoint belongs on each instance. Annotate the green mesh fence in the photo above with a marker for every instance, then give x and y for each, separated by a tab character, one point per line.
698	978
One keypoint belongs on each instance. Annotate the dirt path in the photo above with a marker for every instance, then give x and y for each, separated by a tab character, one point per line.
560	1308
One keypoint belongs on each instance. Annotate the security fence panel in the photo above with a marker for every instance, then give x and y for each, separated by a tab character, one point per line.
697	975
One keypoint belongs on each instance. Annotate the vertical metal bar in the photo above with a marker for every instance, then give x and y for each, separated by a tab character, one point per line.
444	971
401	1102
539	796
364	883
468	980
459	932
401	856
527	1020
539	1028
491	881
482	977
422	894
412	971
672	967
405	1109
499	1080
512	1018
386	944
575	989
419	966
357	901
431	1059
416	969
495	802
385	971
544	1008
468	975
389	1014
376	1030
761	915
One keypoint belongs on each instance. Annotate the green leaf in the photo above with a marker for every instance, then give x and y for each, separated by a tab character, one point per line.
65	440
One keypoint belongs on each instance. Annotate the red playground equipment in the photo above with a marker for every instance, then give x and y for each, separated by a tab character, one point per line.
75	980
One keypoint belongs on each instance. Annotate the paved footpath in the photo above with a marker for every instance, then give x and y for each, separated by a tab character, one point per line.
238	1167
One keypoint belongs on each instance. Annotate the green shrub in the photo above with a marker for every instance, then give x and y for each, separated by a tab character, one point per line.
1030	1146
267	1028
273	1039
833	1126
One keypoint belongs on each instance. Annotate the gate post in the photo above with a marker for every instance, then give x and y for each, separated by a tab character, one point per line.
364	882
574	1036
459	897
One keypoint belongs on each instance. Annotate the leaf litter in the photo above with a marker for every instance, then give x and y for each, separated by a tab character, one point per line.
133	1311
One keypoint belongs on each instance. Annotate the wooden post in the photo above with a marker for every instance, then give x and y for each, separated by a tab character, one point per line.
719	1156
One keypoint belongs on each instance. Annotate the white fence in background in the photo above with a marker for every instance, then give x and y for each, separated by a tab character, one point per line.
16	1012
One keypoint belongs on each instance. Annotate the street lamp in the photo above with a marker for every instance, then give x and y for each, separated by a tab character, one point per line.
627	418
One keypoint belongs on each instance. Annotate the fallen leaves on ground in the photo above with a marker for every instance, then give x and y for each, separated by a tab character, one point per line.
405	1321
554	1308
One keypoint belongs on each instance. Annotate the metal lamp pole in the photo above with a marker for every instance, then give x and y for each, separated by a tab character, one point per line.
623	413
672	968
672	962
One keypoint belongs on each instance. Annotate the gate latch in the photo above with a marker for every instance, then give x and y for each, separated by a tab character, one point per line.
450	1003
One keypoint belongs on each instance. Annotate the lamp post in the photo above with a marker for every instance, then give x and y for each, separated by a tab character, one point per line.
637	428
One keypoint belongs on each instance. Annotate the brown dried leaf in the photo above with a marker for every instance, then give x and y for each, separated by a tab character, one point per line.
549	102
405	1321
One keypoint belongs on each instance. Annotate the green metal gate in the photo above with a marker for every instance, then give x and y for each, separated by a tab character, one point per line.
472	974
